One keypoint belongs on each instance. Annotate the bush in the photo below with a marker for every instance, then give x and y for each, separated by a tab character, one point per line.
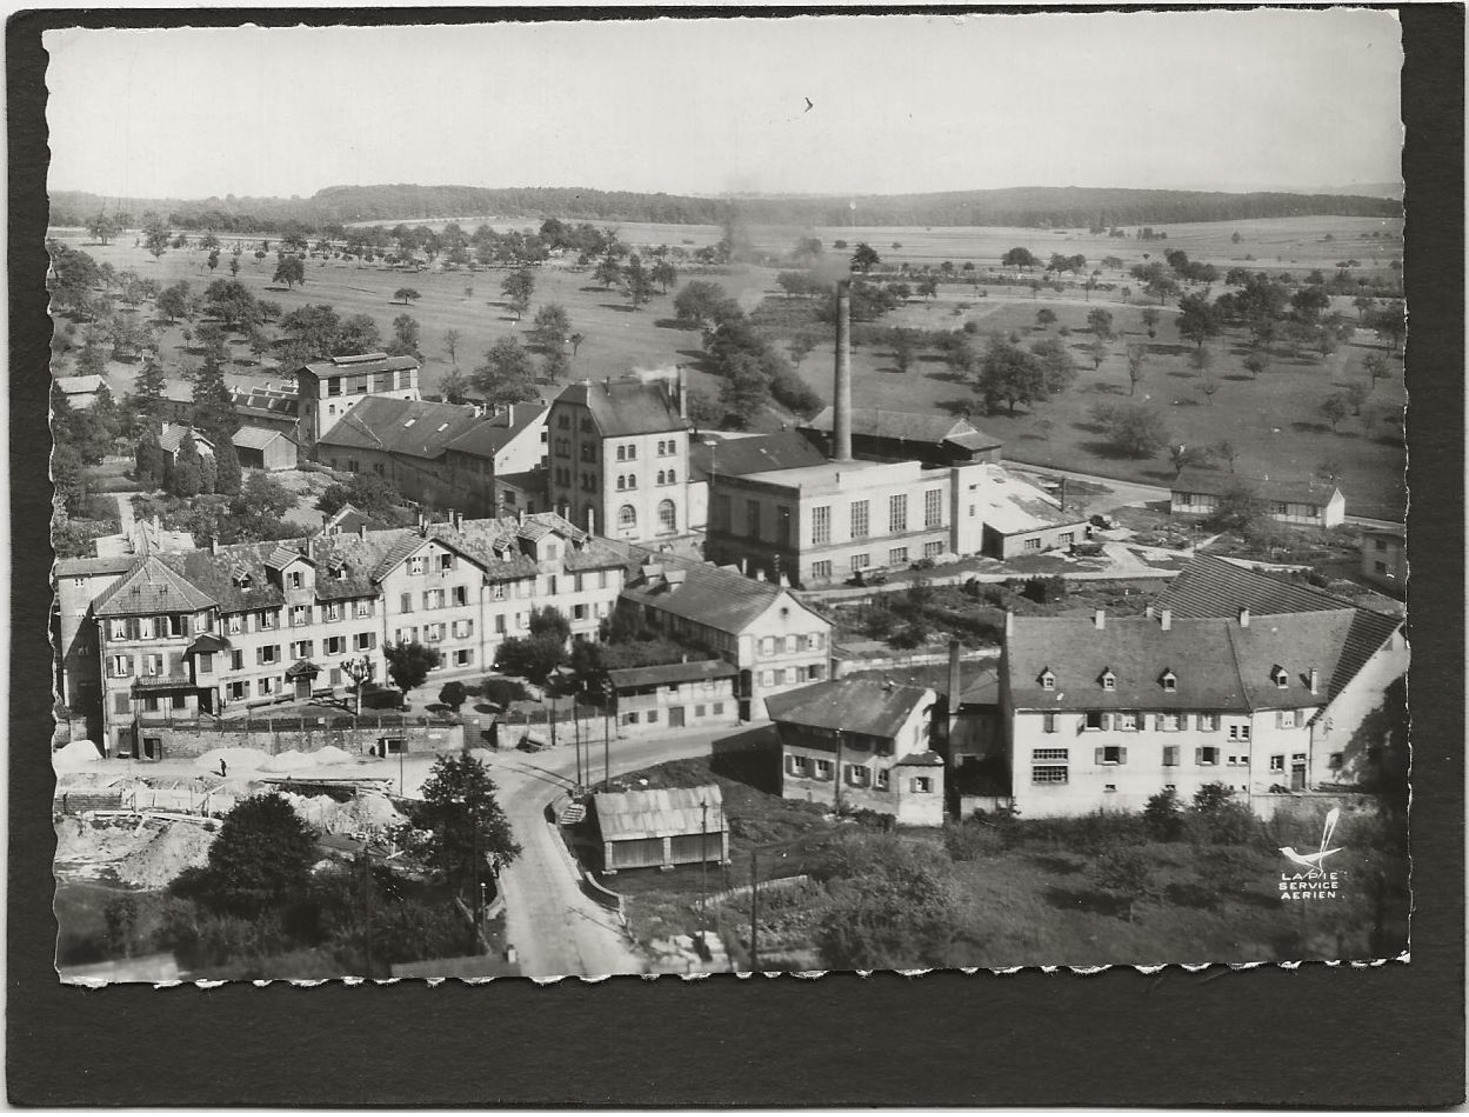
502	692
971	840
1163	816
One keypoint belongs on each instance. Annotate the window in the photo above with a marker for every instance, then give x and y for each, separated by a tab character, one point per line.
461	595
120	666
897	556
861	562
364	608
145	628
1129	720
294	579
303	649
752	519
237	661
1048	722
206	663
1170	723
898	512
1109	680
1209	723
497	591
446	562
859	519
622	453
1033	543
1277	762
621	482
667	516
1170	682
627	516
1240	760
815	672
268	619
1206	756
1111	754
417	564
238	690
332	611
652	716
1095	719
1379	567
300	616
796	765
933	508
1050	773
1335	761
266	687
1066	538
118	629
1238	732
1280	508
433	599
500	624
821	524
631	718
1048	680
334	645
1280	678
463	629
933	550
405	603
821	571
271	653
884	779
1109	787
1050	754
1288	719
364	641
1170	756
235	625
858	776
718	709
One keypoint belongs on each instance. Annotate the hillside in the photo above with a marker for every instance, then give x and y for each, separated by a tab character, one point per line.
1029	206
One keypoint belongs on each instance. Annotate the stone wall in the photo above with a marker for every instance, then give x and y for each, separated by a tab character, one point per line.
304	736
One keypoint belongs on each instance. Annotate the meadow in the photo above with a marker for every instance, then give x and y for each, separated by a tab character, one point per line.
1275	422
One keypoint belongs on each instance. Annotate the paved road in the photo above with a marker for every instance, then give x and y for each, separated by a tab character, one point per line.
556	930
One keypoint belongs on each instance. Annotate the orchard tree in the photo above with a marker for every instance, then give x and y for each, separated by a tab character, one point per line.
551	326
173	300
103	228
1018	258
406	295
518	288
664	274
608	272
1100	322
451	346
798	349
1210	389
637	285
1335	407
1045	317
409	663
864	258
1376	366
507	375
405	337
1133	430
289	270
1256	361
1226	452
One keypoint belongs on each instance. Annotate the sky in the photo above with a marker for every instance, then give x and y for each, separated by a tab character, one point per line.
898	104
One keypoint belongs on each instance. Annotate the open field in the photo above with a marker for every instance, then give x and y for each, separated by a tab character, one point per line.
1275	422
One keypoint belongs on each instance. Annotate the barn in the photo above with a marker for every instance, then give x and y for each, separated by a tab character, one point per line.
260	448
663	828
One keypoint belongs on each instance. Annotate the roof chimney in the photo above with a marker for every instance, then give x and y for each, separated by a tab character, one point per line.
1165	619
1315	680
841	426
362	531
214	544
591	520
1244	618
1100	618
683	391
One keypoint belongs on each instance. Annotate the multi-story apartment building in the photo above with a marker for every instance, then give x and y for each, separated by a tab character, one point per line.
619	455
211	631
861	744
824	523
1105	713
760	627
326	391
1385	559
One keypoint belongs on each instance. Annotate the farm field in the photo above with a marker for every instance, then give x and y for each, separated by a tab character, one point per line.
1275	421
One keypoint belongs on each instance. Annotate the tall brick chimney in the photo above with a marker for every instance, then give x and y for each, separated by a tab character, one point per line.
841	429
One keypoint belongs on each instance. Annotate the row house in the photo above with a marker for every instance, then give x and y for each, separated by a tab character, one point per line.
761	628
861	744
219	630
676	695
1198	492
618	462
1107	712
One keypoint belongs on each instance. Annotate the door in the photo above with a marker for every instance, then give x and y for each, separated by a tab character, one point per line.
675	717
1298	777
747	682
303	686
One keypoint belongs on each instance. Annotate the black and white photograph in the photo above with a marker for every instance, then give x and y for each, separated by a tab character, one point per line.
688	496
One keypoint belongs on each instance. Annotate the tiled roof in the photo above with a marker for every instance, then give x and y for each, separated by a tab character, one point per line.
491	435
151	587
276	404
667	812
663	673
414	428
735	457
626	406
866	706
362	362
173	437
908	426
1216	483
103	564
719	597
256	438
283	556
1213	587
214	574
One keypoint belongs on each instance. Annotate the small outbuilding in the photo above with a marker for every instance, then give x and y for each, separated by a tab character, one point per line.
663	828
261	448
676	695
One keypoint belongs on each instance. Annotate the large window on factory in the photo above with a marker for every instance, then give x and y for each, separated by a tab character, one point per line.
821	524
860	526
898	512
933	508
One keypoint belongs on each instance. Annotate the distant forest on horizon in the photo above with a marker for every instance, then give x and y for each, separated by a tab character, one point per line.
1025	207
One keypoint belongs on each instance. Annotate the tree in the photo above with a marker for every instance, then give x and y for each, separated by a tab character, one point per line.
1239	509
453	694
184	479
1010	375
1198	319
358	672
507	375
637	285
1201	359
1150	320
103	228
893	906
608	272
235	265
551	326
798	349
705	304
1127	873
451	346
746	390
904	346
405	337
1135	430
1058	370
214	342
864	258
518	287
1357	395
1097	350
1162	289
1163	816
1330	471
1101	323
454	387
155	237
1226	451
576	339
406	295
466	820
1256	361
260	859
555	364
1210	388
1376	366
928	286
227	472
1045	317
259	342
664	274
231	302
409	663
289	270
148	471
1018	258
1336	408
215	416
173	300
1181	457
359	334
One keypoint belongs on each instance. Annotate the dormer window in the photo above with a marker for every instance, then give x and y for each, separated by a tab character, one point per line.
1048	680
1169	681
1109	680
337	570
1279	677
242	579
409	423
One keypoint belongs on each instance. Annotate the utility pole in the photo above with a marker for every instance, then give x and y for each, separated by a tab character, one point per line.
576	730
754	911
837	792
367	901
607	742
703	869
474	881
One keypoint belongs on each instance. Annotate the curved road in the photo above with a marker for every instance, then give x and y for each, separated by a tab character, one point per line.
555	929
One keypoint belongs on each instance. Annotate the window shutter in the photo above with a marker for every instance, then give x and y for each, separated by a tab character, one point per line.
1122	756
1107	721
1101	756
1198	756
132	628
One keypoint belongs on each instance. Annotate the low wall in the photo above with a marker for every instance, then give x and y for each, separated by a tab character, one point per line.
282	736
779	884
989	804
1311	803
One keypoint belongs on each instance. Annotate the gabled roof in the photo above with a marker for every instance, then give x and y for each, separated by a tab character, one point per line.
359	363
736	457
413	428
78	385
626	406
906	426
491	435
666	812
664	673
151	587
257	438
719	597
283	556
868	707
348	519
1213	587
173	437
1212	482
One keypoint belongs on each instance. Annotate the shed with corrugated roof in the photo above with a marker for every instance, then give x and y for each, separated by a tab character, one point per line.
663	827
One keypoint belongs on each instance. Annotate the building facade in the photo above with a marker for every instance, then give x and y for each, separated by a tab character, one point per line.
327	391
1385	559
1198	492
676	695
861	744
619	456
899	436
